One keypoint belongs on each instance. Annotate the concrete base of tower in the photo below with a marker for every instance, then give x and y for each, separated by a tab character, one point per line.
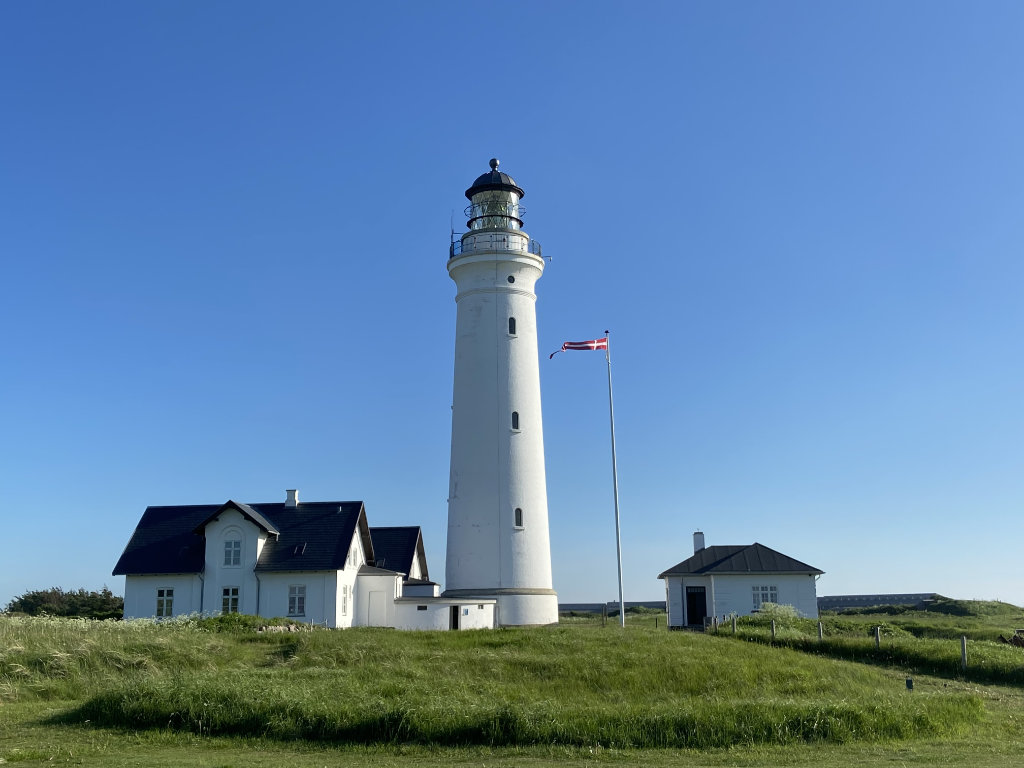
516	607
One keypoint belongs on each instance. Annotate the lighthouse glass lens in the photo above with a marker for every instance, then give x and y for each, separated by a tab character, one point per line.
494	210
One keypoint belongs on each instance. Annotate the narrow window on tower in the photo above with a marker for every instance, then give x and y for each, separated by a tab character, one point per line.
519	518
511	326
515	419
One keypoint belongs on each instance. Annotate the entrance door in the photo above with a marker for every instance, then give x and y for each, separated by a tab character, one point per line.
453	621
378	614
696	606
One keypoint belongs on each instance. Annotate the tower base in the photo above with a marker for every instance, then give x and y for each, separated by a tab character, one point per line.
516	608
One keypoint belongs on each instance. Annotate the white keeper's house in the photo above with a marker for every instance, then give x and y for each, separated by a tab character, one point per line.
315	562
730	580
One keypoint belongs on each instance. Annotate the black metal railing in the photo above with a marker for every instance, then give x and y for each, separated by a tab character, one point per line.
496	243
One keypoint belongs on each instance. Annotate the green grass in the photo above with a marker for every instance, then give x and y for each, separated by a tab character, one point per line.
904	645
578	687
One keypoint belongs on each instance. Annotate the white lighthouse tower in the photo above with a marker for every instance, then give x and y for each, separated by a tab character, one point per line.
498	545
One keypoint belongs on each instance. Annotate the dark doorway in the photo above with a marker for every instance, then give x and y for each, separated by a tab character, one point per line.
696	606
453	622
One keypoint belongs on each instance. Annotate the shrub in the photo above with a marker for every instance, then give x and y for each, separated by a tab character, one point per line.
80	604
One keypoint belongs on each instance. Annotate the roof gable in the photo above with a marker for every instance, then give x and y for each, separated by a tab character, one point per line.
397	547
246	511
749	558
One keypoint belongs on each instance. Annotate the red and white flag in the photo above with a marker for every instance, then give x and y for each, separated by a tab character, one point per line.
593	344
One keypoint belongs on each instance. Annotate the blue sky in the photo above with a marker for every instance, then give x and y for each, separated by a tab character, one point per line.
223	235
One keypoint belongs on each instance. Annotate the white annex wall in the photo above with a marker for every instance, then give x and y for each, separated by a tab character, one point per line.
411	613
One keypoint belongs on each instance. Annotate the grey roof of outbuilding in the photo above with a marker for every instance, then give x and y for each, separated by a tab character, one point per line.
313	536
395	547
493	180
746	558
372	570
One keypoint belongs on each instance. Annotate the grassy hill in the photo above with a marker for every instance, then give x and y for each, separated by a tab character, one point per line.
574	686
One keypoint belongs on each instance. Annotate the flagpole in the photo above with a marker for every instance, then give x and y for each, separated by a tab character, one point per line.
615	477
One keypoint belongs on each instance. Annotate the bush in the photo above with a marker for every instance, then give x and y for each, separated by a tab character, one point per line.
777	611
78	604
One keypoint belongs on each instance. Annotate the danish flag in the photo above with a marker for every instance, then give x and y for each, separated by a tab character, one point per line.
593	344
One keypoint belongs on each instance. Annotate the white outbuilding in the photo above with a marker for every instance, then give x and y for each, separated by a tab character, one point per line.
725	580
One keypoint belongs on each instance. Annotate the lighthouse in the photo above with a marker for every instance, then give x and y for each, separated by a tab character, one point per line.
498	543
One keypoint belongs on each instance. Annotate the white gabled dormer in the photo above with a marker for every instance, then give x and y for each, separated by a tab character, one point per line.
235	535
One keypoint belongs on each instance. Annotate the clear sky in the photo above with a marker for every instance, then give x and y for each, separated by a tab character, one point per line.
223	235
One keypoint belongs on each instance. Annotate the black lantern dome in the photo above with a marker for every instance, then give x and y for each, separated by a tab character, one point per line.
494	180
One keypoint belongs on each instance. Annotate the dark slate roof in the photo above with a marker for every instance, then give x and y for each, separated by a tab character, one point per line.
494	180
164	542
314	536
747	558
395	548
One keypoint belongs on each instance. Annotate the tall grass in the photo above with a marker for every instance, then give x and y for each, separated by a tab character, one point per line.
988	662
565	685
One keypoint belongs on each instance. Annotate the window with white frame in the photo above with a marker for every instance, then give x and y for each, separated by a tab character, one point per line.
232	552
164	602
229	600
297	600
344	599
765	593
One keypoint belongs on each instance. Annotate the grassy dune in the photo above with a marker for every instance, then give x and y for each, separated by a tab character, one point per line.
568	685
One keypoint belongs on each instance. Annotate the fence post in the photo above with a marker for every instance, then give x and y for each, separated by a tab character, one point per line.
655	622
878	636
734	624
773	630
963	652
821	632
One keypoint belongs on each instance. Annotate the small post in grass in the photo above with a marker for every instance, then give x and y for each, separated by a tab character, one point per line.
963	652
878	636
821	632
773	630
734	624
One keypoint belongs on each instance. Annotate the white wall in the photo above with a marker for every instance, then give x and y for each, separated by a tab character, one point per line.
231	524
320	595
140	594
733	593
424	614
376	610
